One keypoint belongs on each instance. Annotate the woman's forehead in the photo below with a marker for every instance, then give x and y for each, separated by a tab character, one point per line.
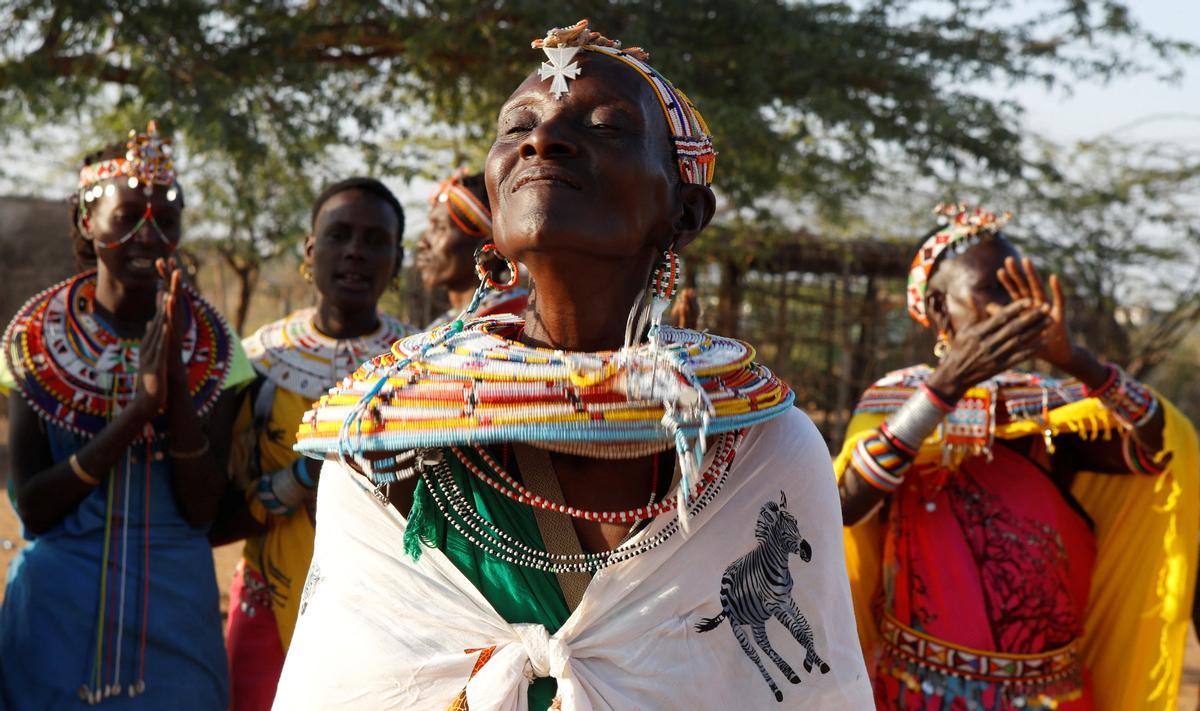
601	79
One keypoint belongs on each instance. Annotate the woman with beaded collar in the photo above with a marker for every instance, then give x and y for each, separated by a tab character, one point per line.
352	254
996	560
460	225
119	442
568	537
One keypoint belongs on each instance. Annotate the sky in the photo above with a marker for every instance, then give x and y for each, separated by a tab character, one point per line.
1094	110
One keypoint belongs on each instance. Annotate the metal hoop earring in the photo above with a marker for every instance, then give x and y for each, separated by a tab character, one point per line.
485	276
304	272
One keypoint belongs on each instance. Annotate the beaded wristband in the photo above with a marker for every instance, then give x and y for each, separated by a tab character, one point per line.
80	472
300	471
879	463
1137	459
280	492
1132	403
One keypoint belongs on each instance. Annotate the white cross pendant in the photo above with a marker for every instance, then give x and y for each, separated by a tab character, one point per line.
560	67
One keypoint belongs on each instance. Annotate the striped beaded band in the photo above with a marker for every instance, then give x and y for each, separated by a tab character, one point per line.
962	228
689	132
467	212
479	386
1132	403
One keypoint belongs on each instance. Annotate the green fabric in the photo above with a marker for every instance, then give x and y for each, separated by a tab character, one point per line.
240	370
519	594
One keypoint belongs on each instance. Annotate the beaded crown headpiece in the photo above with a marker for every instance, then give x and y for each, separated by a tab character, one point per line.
961	228
466	210
147	162
689	133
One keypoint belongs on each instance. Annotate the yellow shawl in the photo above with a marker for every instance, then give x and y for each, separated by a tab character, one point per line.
1146	537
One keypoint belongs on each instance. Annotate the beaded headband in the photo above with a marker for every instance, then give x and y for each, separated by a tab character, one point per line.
962	228
689	132
147	162
467	211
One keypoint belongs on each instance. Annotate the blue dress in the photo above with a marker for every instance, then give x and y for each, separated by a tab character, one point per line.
48	624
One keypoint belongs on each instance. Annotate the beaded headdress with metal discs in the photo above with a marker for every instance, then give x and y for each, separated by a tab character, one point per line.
689	132
147	162
961	228
466	210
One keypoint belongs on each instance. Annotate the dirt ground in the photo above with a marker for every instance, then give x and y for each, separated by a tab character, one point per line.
226	557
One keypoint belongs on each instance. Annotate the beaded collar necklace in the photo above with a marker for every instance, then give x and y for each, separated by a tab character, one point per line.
75	372
294	355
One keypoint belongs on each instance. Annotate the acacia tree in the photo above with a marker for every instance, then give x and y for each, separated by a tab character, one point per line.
809	99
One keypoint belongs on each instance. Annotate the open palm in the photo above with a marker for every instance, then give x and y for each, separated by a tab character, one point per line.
1023	282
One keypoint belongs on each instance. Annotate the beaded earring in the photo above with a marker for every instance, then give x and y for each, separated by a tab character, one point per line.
485	275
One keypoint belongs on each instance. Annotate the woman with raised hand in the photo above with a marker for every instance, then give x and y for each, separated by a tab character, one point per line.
1015	540
582	508
460	226
119	432
351	255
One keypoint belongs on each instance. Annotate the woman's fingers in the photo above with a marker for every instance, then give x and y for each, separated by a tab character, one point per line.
1034	280
1029	321
1002	276
1057	307
1017	278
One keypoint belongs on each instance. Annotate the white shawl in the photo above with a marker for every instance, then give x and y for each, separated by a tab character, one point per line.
378	630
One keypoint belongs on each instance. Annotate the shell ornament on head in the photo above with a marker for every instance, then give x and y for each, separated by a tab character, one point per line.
961	228
689	133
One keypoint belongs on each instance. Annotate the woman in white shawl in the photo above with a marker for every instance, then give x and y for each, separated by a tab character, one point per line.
553	567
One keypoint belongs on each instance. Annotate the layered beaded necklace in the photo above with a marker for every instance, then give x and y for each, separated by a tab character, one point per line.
294	355
77	374
460	512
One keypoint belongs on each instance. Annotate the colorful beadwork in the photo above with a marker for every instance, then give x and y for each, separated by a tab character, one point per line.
467	212
1132	403
460	512
962	228
948	671
474	384
970	427
147	162
693	144
294	355
75	372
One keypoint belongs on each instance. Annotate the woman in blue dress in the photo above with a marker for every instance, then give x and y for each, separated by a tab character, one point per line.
119	417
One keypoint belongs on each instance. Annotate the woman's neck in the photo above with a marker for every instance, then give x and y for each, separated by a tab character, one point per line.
582	303
127	310
337	322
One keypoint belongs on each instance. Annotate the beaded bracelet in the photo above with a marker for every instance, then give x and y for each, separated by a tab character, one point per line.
280	492
879	463
1132	403
884	457
1137	459
300	471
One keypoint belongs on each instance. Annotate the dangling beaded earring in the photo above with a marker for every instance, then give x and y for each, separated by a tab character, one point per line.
485	275
651	304
942	347
304	272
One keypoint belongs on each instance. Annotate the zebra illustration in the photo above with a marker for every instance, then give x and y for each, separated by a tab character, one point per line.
758	586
